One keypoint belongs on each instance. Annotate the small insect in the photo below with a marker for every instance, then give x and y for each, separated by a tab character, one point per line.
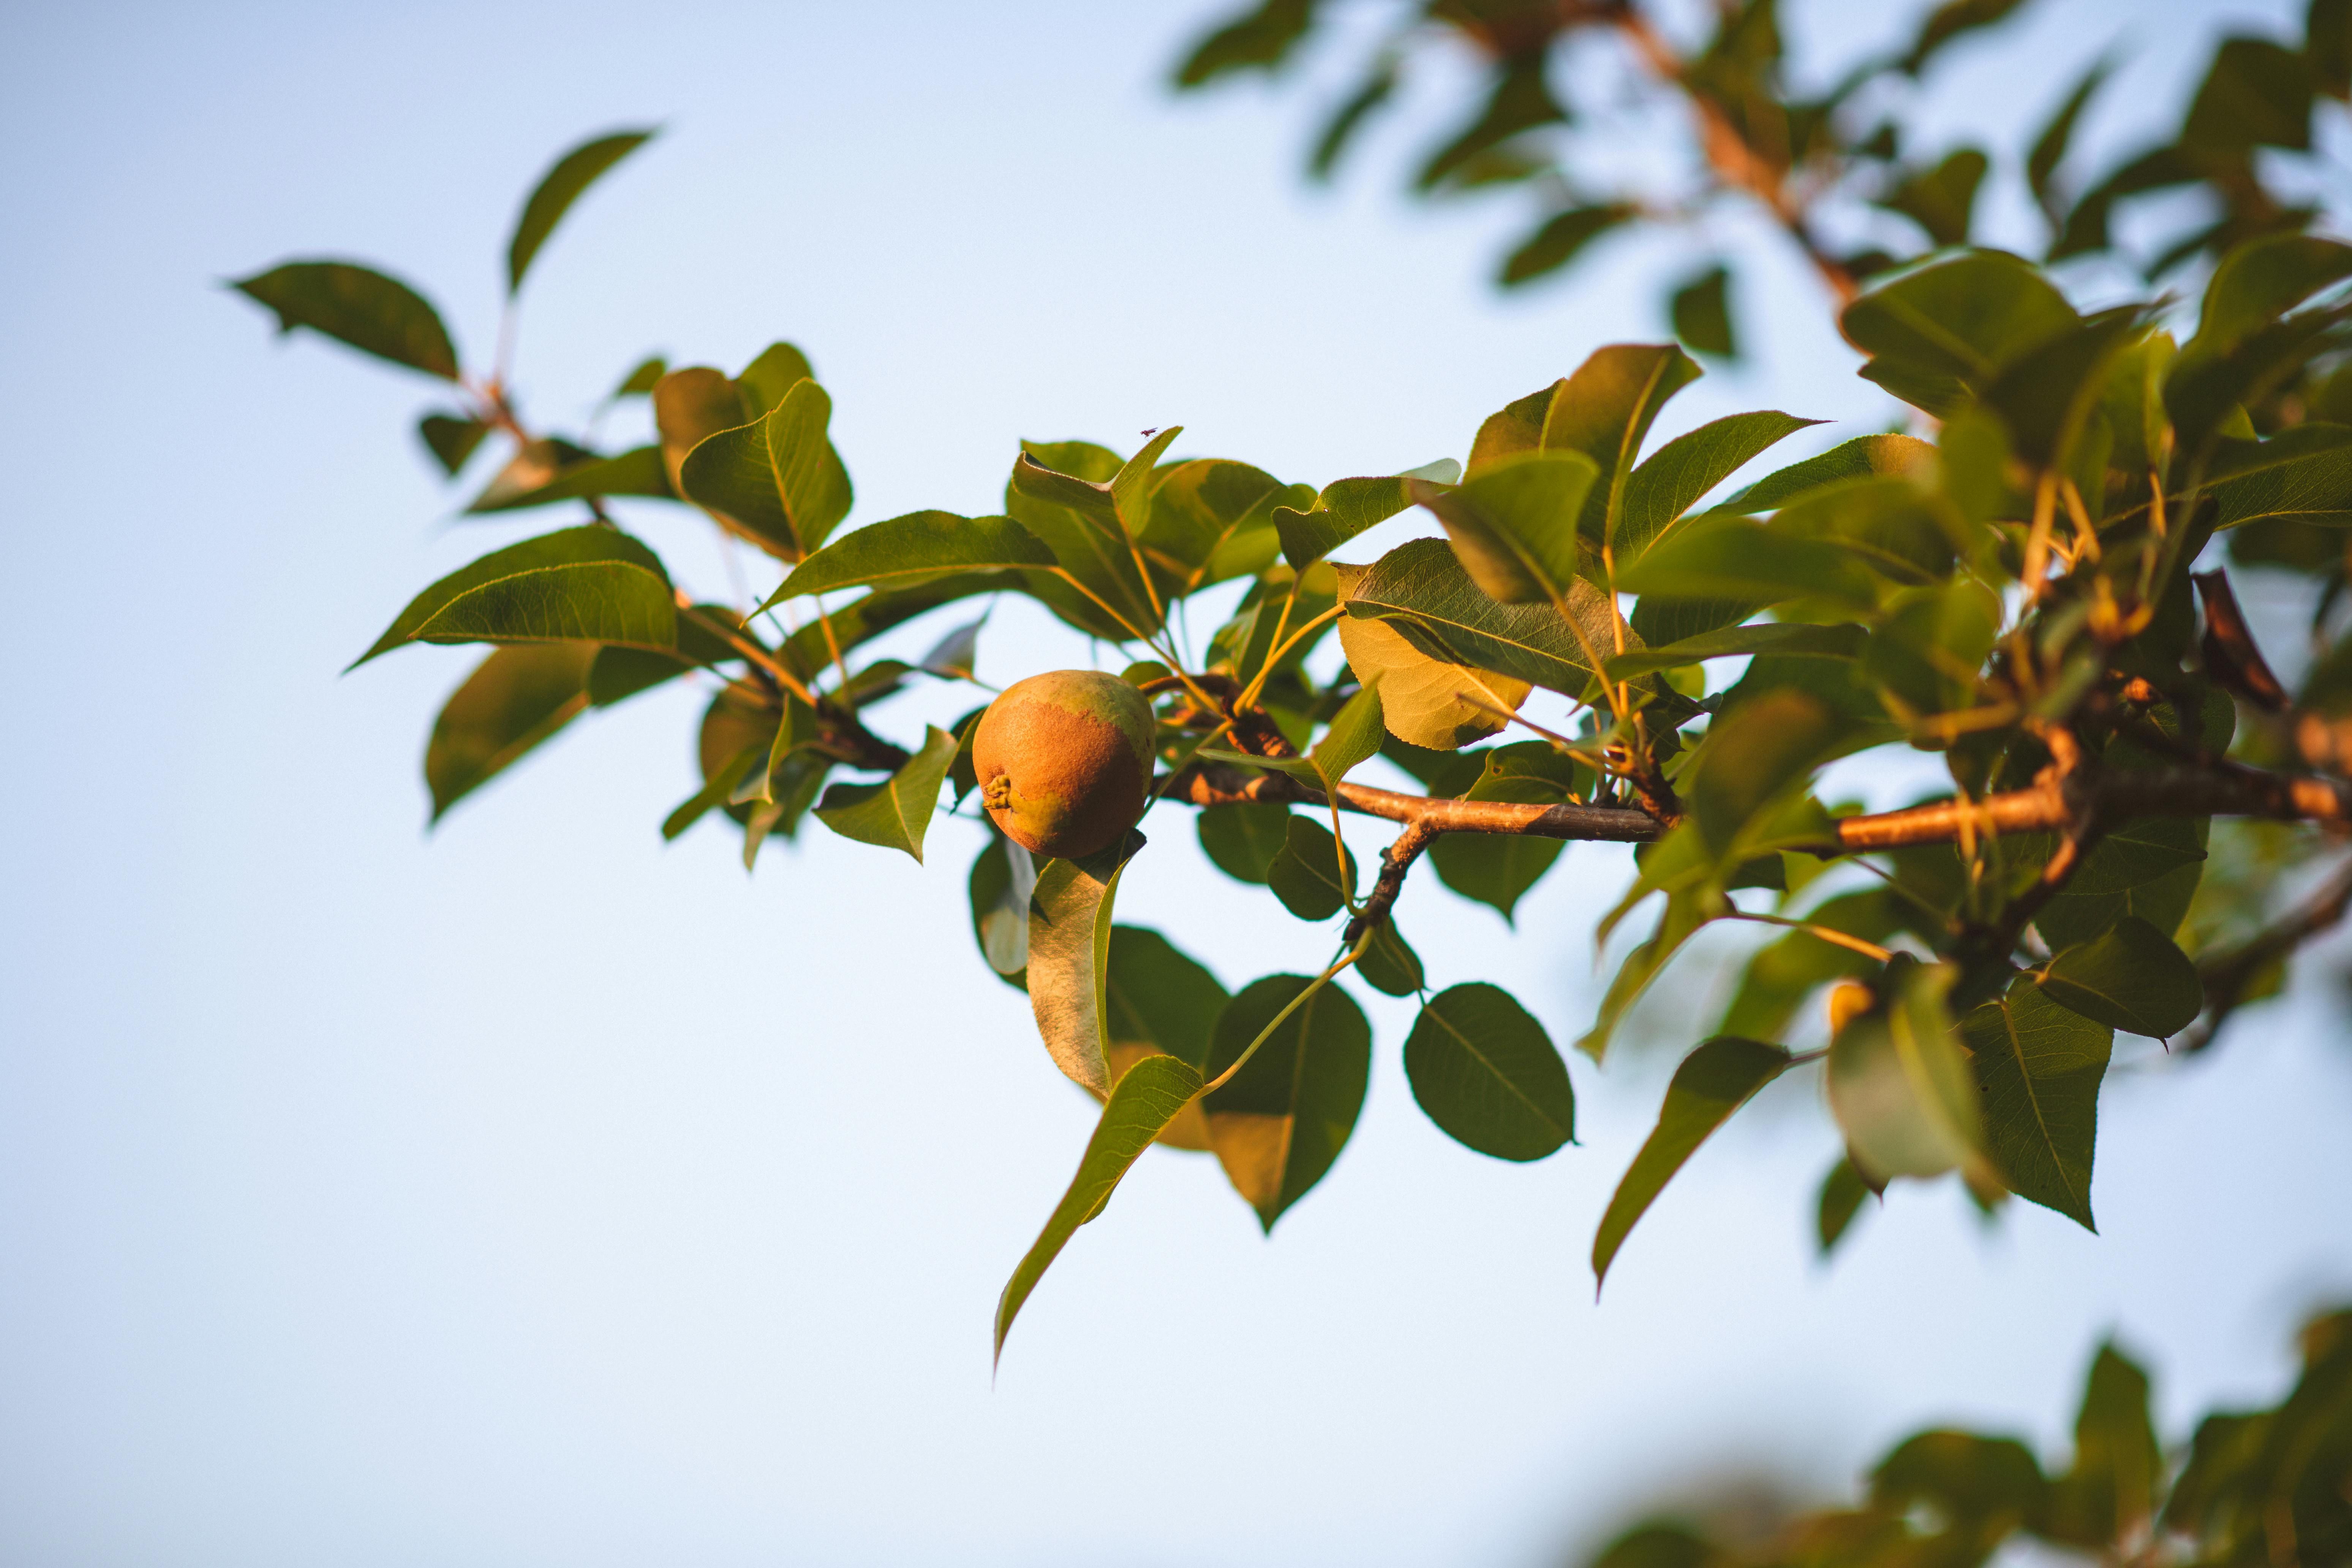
1148	434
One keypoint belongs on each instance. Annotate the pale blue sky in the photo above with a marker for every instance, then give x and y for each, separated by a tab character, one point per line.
533	1193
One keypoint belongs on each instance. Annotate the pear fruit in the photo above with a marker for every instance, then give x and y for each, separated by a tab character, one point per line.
1064	761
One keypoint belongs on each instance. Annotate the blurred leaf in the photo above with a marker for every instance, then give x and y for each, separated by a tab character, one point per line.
1520	101
1787	639
1259	38
1069	959
1304	873
1842	1190
1700	312
1003	878
2256	94
562	185
2050	146
1283	1120
1950	21
1486	1073
2047	393
642	378
895	813
1671	482
1148	1098
358	306
1940	200
638	472
1926	653
1390	964
1750	758
2132	976
2111	1491
1898	1084
514	698
2162	901
1975	1491
1718	1078
1560	239
1425	700
1422	591
778	477
1354	734
1685	913
1359	106
2038	1067
1785	971
1242	839
907	552
690	405
592	583
1081	522
451	440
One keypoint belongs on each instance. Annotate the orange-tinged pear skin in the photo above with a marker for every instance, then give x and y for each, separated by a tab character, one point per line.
1064	761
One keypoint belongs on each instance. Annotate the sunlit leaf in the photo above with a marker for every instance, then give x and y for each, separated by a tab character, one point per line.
594	584
1283	1120
895	813
1069	960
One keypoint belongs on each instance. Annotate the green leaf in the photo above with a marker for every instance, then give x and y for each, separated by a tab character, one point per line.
1561	239
2163	902
1513	526
1283	1120
2050	146
2046	394
1865	457
1148	1098
642	378
1003	878
1937	331
1842	1190
1700	311
718	787
1242	839
1752	758
1159	999
1210	520
2256	94
777	477
1421	589
2110	1492
573	174
2038	1067
1898	1085
1354	734
2312	485
1520	101
1497	870
514	698
1069	960
638	472
1974	1492
1081	522
1785	639
1685	913
1390	964
918	548
590	583
1426	700
1782	973
2133	977
1342	128
1486	1073
1347	508
1940	200
1304	873
1948	21
1738	562
358	306
895	813
1259	37
1925	655
451	440
2137	852
1673	479
1605	411
1718	1078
